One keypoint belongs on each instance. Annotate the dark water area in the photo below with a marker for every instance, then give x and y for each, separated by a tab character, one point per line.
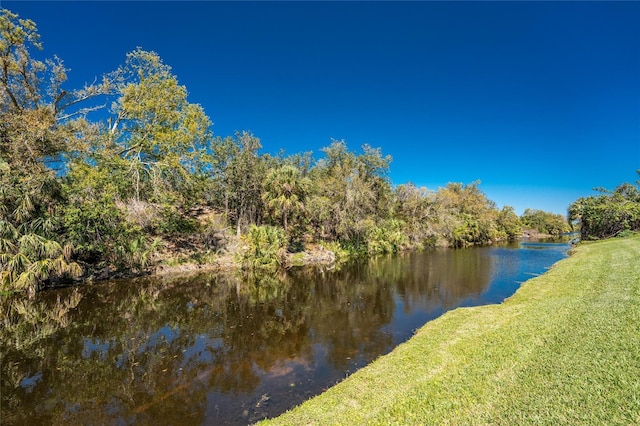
213	349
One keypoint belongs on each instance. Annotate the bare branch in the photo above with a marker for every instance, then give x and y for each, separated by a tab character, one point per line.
82	111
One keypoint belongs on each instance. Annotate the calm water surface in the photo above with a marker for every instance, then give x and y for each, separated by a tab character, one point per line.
216	350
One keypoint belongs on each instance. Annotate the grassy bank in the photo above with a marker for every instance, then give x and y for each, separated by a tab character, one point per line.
565	349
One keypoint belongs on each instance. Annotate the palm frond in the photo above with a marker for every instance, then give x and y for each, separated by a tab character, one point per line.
42	269
7	246
26	281
7	230
18	263
74	270
24	209
67	251
38	246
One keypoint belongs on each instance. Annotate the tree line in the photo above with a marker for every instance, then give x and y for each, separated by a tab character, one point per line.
83	189
609	213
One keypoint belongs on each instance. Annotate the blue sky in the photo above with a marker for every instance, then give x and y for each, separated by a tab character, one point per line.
540	101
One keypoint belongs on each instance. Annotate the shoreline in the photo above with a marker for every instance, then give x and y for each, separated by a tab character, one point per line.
540	355
315	255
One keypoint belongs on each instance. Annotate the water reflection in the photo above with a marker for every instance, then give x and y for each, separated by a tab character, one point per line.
214	350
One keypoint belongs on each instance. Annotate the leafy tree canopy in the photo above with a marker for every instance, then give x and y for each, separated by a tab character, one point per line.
609	213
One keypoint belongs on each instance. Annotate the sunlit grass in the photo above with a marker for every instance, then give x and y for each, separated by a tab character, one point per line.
565	349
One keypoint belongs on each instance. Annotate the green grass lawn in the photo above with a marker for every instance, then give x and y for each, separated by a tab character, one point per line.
565	349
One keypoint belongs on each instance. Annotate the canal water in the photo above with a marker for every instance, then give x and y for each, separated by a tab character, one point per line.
213	349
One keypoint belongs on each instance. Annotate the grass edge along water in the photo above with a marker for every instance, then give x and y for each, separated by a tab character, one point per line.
565	348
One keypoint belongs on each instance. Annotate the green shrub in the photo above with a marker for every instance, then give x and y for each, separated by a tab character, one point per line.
265	248
386	238
608	214
100	233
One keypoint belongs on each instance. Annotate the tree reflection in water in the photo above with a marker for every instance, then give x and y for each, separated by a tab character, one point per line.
217	349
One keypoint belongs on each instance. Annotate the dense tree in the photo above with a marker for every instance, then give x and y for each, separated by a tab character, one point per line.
465	215
35	132
328	200
105	193
508	223
373	168
609	213
285	192
350	193
162	137
416	208
239	173
142	169
545	222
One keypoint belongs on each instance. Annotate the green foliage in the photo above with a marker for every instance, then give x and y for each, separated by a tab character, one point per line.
508	223
122	183
27	259
34	134
32	86
100	232
93	227
171	221
103	229
155	144
265	249
466	231
545	222
416	208
30	254
609	213
236	184
22	76
627	233
136	253
465	216
386	238
284	194
348	192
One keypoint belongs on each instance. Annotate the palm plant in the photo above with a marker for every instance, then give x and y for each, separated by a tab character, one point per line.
265	248
284	193
28	259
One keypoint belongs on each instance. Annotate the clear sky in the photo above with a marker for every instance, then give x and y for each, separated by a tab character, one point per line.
540	101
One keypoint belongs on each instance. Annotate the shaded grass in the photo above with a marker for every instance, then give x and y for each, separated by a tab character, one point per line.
565	349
